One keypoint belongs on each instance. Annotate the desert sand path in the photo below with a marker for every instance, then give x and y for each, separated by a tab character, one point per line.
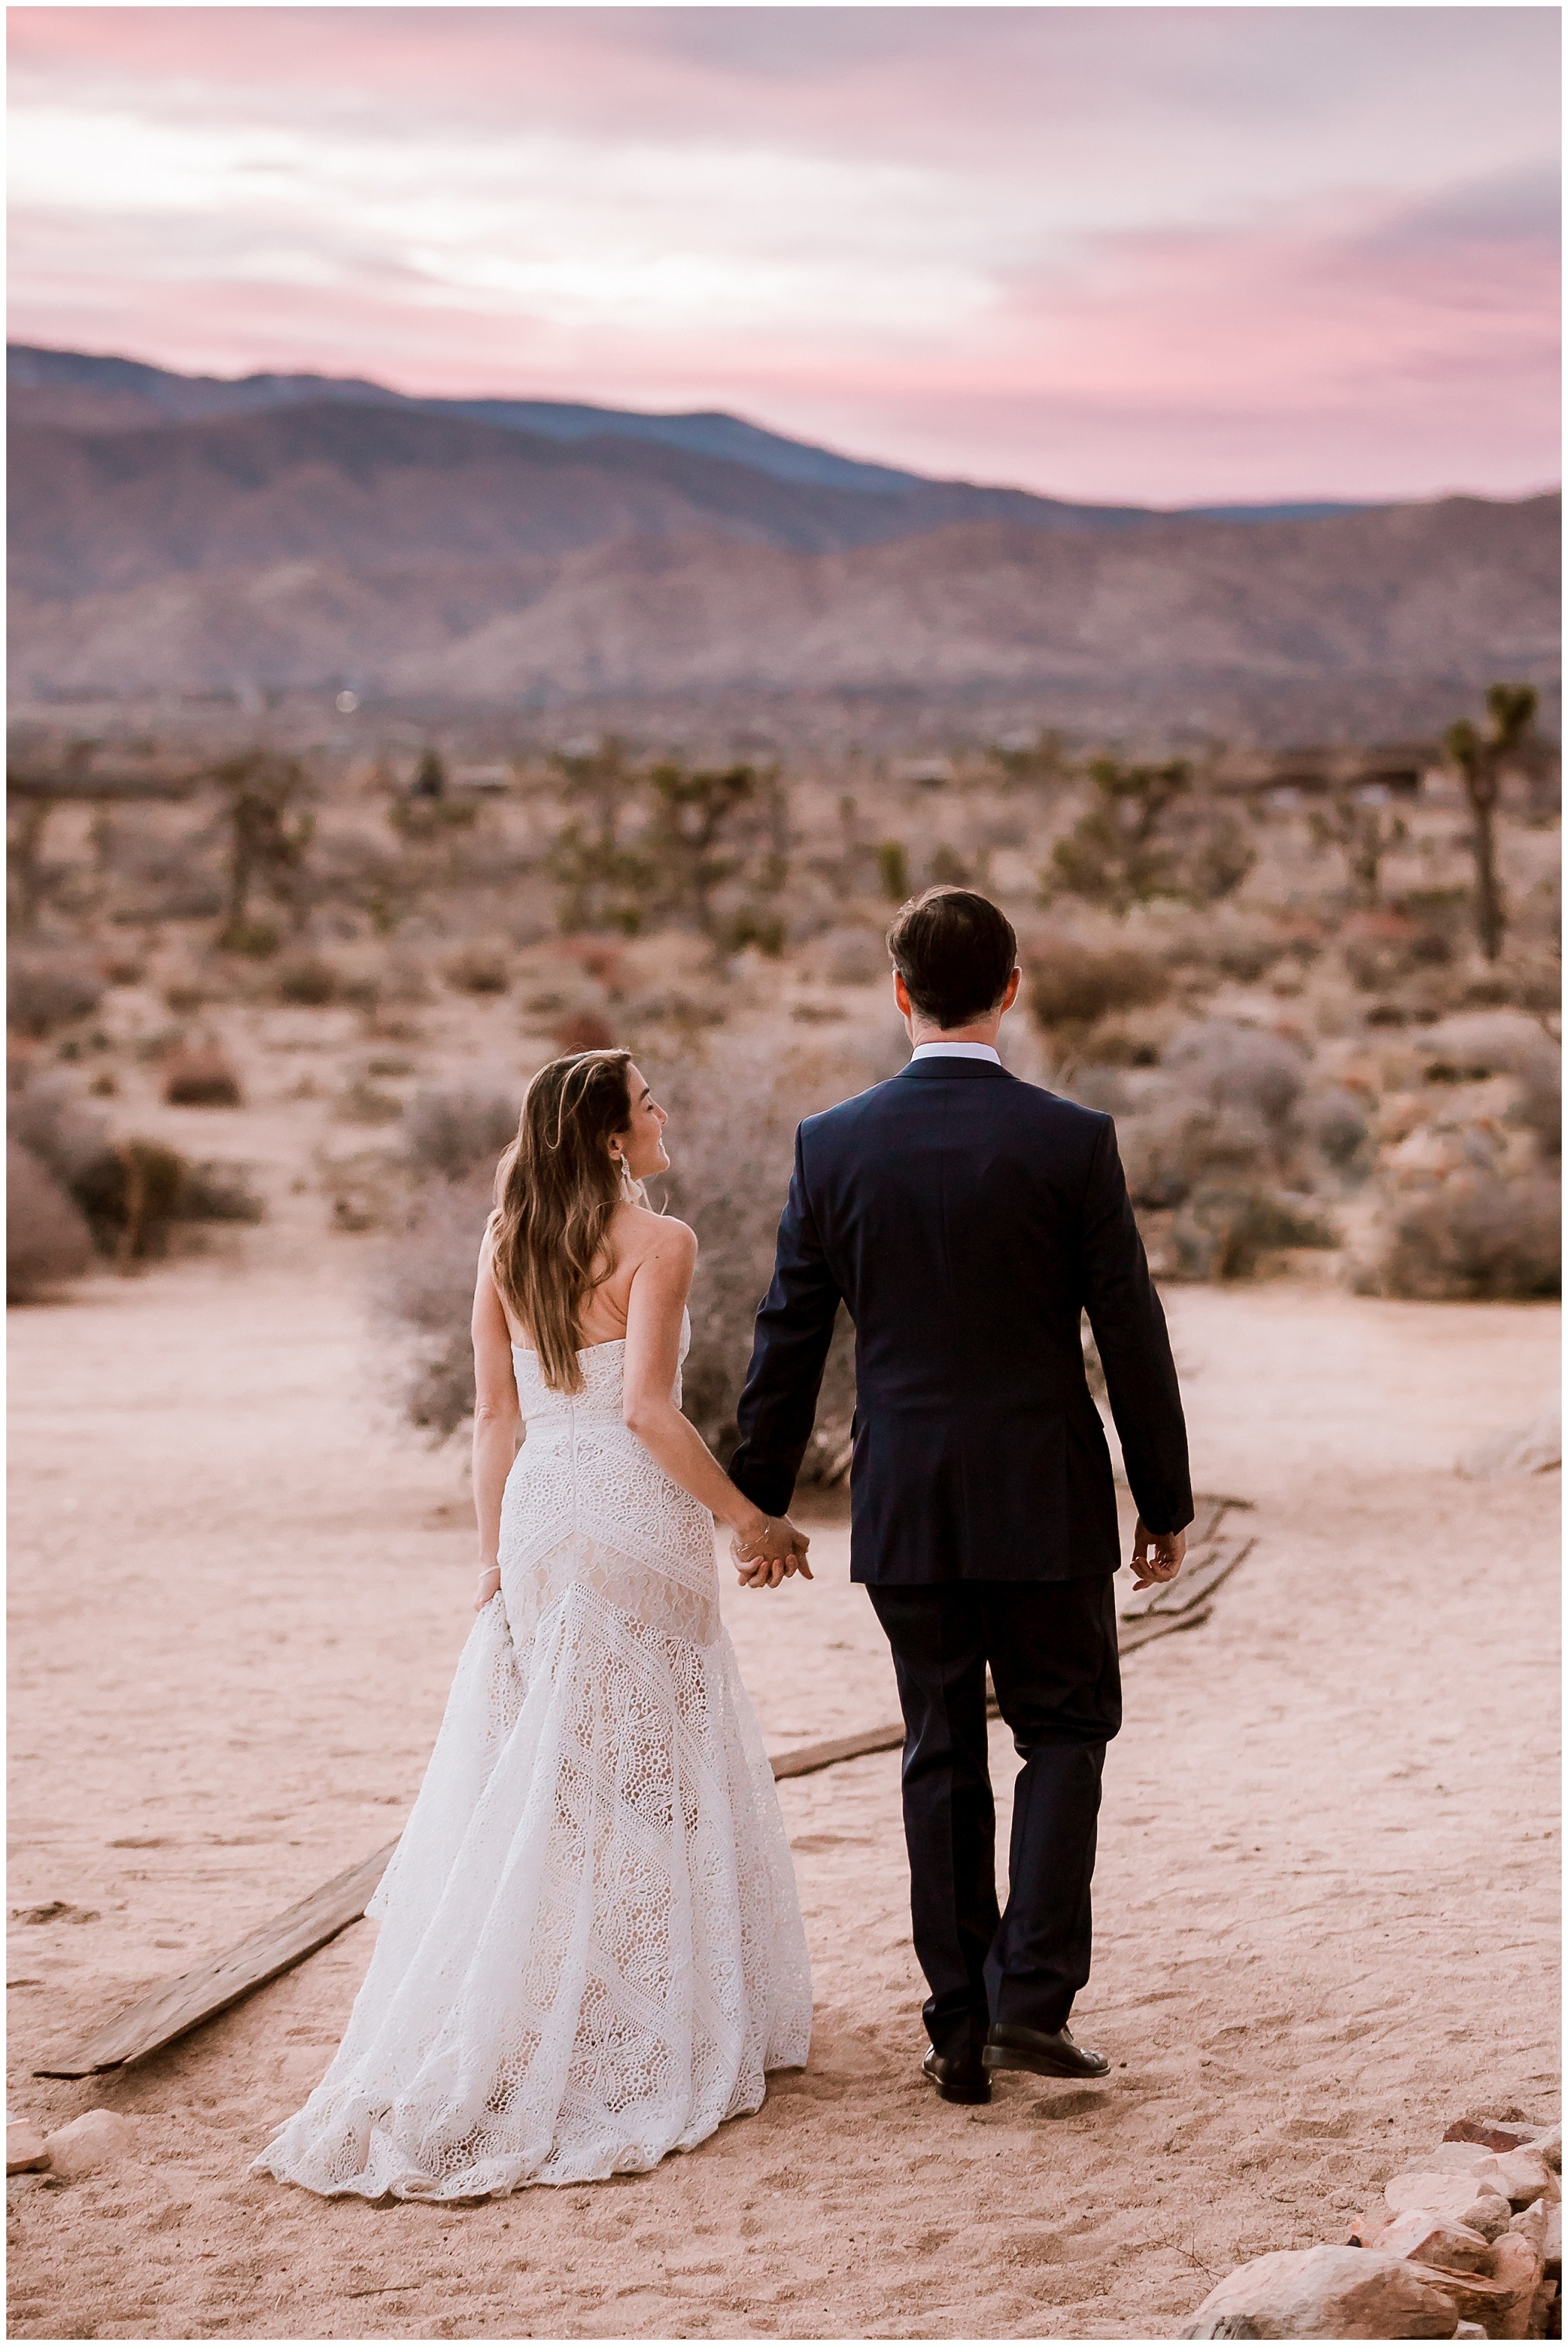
1326	1894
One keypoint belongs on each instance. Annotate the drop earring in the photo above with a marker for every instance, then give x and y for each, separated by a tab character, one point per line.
631	1191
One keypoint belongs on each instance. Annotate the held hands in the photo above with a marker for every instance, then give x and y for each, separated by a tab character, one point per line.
770	1553
1157	1555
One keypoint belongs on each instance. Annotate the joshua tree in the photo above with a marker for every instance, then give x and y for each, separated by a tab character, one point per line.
1480	759
692	813
1115	854
268	835
1364	835
603	880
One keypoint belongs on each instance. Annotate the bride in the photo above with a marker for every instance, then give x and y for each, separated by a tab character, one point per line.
591	1949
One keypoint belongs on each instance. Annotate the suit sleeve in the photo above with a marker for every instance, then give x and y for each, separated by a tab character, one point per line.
794	1329
1134	1345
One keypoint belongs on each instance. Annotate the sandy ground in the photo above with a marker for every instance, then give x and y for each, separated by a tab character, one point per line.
1327	1892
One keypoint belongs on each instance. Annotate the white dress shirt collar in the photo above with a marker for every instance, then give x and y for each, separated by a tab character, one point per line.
956	1051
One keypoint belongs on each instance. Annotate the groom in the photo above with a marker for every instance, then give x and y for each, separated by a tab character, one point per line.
967	1219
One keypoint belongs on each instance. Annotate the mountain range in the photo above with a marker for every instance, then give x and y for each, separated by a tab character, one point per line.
187	532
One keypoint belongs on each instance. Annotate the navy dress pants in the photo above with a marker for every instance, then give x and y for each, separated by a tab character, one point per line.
1052	1650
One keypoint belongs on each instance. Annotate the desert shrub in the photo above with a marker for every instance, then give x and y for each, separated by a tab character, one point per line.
216	1192
894	869
584	1030
454	1135
130	1193
1180	1146
1475	1236
749	925
1073	985
1237	1067
478	969
362	1103
1337	1121
731	1138
46	1237
1223	1233
1486	1043
424	1289
850	956
45	994
1540	1108
309	982
255	940
201	1075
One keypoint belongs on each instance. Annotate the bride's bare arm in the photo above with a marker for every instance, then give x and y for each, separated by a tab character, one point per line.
497	1422
654	1307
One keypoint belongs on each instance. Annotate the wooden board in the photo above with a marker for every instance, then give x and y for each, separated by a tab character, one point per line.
176	2006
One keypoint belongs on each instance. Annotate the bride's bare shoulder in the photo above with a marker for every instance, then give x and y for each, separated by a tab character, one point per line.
652	1235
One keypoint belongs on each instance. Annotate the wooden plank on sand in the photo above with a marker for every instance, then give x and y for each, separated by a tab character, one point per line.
178	2006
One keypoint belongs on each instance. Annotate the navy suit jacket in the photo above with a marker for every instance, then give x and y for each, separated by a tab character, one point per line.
967	1218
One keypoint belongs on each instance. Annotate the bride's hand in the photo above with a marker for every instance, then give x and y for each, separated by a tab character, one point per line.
488	1584
770	1551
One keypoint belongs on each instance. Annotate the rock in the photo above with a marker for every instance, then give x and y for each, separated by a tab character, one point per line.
54	1910
1453	2198
1324	2293
1517	2267
1549	2143
1540	2324
1476	2297
1552	2246
1425	2240
1362	2230
24	2147
1494	2133
97	2139
1459	2154
1524	2175
1470	2329
1532	2224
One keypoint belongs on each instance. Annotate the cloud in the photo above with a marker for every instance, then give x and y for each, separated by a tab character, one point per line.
1107	252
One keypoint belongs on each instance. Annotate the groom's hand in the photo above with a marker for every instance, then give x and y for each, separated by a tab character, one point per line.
771	1555
1157	1555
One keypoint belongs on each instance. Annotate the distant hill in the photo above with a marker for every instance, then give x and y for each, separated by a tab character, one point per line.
79	391
296	533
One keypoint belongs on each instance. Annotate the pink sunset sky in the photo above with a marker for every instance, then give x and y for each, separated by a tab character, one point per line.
1169	255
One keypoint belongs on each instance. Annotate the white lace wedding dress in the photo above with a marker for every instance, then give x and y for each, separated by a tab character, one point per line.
591	1949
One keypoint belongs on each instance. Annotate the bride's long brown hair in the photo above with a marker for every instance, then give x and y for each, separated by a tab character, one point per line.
556	1190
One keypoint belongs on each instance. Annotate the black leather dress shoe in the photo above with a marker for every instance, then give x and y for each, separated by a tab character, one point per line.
1049	2054
956	2080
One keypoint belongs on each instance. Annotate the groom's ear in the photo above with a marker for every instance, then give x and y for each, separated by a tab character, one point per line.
1013	982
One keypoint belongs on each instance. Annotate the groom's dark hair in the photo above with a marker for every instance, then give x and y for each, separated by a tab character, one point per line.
955	952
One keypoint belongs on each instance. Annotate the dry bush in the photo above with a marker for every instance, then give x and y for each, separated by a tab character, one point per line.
1237	1067
731	1139
1336	1120
201	1075
452	1135
129	1192
1070	987
1223	1233
1179	1146
46	1237
1475	1238
584	1030
478	969
44	993
309	982
362	1103
424	1288
848	956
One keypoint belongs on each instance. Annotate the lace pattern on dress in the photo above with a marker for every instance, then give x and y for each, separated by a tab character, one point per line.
591	1949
